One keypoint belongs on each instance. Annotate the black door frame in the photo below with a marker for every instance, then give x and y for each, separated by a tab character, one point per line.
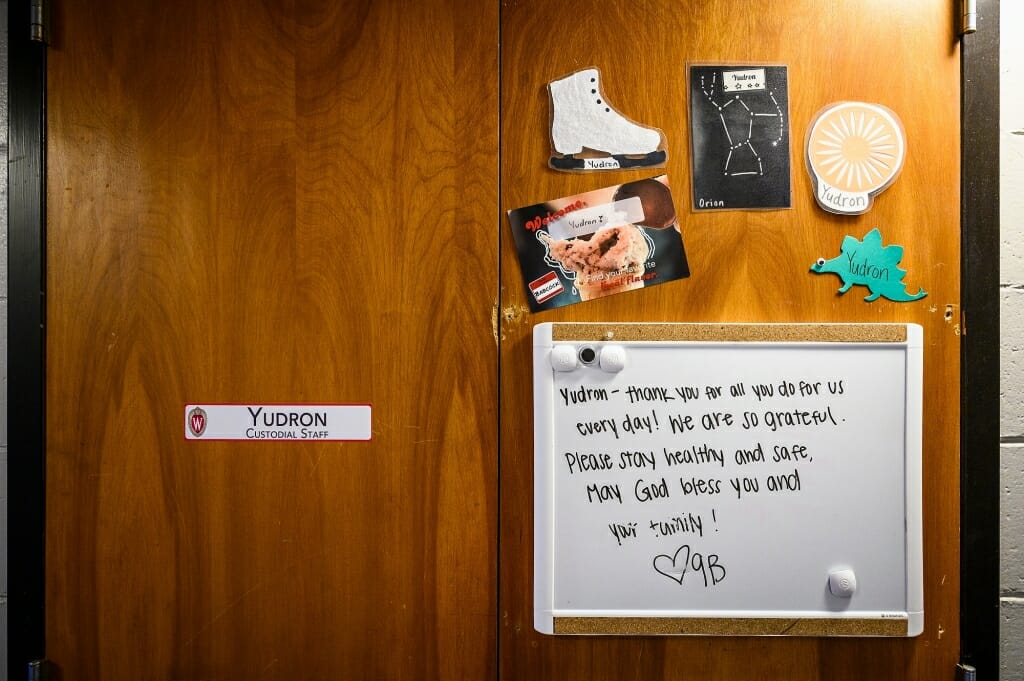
26	343
979	360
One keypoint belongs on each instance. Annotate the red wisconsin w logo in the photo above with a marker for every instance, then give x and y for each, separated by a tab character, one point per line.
197	421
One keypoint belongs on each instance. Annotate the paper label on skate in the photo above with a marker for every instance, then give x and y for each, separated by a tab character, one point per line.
600	164
747	80
588	220
578	248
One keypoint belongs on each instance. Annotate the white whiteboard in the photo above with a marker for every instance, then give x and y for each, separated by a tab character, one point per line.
660	508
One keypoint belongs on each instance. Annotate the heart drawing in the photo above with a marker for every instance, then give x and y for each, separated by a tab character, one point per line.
668	565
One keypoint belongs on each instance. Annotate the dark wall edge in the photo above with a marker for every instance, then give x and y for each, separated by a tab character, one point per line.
979	410
26	463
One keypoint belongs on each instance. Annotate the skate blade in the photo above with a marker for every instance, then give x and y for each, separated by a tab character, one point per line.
614	162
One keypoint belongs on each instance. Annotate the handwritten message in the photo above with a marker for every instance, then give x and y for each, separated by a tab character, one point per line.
672	457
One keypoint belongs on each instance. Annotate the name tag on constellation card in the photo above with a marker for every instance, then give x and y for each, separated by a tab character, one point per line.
743	81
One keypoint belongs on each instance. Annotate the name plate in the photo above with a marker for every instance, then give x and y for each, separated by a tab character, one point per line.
284	422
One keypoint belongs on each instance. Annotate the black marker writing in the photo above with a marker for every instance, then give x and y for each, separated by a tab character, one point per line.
579	463
783	419
687	393
645	491
636	424
695	454
685	560
603	493
620	531
644	394
637	459
596	427
678	524
680	423
583	395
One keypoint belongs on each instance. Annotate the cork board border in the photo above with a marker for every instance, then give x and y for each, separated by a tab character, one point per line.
739	333
714	626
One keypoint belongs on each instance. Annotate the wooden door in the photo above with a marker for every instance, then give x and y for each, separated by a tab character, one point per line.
746	267
295	202
284	202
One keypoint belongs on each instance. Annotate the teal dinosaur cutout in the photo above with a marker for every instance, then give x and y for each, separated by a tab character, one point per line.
869	263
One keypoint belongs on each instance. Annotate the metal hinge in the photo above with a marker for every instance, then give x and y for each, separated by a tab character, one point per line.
968	16
39	21
38	670
965	672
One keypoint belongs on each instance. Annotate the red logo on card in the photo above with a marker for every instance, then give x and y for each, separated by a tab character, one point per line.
546	288
197	421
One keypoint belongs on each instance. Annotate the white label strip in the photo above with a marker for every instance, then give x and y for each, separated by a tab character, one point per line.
600	164
588	220
286	422
740	81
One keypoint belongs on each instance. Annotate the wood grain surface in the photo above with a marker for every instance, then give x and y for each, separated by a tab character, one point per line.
281	202
746	267
296	201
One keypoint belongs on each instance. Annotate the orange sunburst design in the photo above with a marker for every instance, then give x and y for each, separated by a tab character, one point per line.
854	151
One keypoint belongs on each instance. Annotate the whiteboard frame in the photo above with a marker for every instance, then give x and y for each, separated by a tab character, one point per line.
549	620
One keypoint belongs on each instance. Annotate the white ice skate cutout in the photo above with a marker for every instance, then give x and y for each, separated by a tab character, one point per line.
582	118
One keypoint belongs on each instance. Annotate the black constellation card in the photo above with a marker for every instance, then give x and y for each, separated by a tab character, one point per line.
739	137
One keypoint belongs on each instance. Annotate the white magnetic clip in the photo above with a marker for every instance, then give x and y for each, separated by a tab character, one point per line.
842	583
563	358
613	358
